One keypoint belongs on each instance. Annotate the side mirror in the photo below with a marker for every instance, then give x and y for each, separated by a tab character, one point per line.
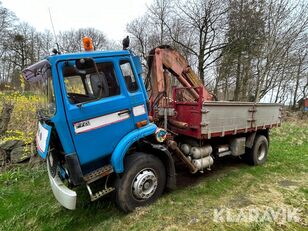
85	63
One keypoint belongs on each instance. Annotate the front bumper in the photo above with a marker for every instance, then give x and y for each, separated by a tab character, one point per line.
63	194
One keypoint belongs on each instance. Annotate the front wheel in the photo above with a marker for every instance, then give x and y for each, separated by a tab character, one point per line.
258	154
142	182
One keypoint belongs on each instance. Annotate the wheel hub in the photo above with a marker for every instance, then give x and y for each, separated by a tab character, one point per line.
261	152
144	184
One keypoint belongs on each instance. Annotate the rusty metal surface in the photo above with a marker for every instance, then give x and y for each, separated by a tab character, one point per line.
165	58
174	147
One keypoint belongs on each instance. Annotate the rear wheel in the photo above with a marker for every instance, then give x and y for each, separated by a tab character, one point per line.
142	182
258	154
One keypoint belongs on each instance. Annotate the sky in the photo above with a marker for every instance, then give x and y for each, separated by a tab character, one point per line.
109	16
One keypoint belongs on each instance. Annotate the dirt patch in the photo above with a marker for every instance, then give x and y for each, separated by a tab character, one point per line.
221	168
287	183
240	201
294	116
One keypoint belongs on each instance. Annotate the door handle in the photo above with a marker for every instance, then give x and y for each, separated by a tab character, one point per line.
123	112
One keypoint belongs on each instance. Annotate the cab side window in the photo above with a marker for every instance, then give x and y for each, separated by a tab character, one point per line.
74	84
90	84
128	75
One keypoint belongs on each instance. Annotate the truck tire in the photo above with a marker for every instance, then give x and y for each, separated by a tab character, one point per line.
142	182
257	155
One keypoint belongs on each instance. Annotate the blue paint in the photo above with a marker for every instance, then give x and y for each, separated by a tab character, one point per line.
101	142
137	68
137	64
113	139
122	147
59	119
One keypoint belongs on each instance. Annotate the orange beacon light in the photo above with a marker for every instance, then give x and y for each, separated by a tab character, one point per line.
87	44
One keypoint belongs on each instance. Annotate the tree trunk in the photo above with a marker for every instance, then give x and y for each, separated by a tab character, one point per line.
238	79
5	117
298	73
296	88
245	79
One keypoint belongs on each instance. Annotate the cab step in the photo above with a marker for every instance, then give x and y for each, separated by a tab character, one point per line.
100	193
98	174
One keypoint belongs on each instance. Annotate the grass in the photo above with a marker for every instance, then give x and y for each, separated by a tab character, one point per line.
27	203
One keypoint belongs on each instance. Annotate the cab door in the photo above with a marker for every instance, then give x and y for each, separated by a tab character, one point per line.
134	90
98	117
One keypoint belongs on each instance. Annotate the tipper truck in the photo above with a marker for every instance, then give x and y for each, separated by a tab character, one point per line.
105	126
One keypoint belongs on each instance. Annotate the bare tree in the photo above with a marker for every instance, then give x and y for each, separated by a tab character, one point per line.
160	12
194	28
244	39
7	18
286	22
203	23
71	41
140	29
260	57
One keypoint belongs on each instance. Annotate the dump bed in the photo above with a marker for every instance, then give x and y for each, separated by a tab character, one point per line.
220	118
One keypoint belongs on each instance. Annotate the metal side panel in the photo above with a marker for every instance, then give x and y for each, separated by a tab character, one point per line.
267	114
225	117
222	117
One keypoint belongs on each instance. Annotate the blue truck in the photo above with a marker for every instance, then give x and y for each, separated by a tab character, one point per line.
99	128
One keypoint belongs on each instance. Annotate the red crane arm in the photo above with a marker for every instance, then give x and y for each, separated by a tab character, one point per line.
166	58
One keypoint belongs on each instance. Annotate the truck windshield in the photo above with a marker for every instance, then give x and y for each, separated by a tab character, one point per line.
40	79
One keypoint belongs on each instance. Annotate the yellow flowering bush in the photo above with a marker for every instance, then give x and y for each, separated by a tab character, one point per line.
23	123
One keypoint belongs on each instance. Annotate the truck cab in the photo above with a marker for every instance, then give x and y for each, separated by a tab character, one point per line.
94	111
